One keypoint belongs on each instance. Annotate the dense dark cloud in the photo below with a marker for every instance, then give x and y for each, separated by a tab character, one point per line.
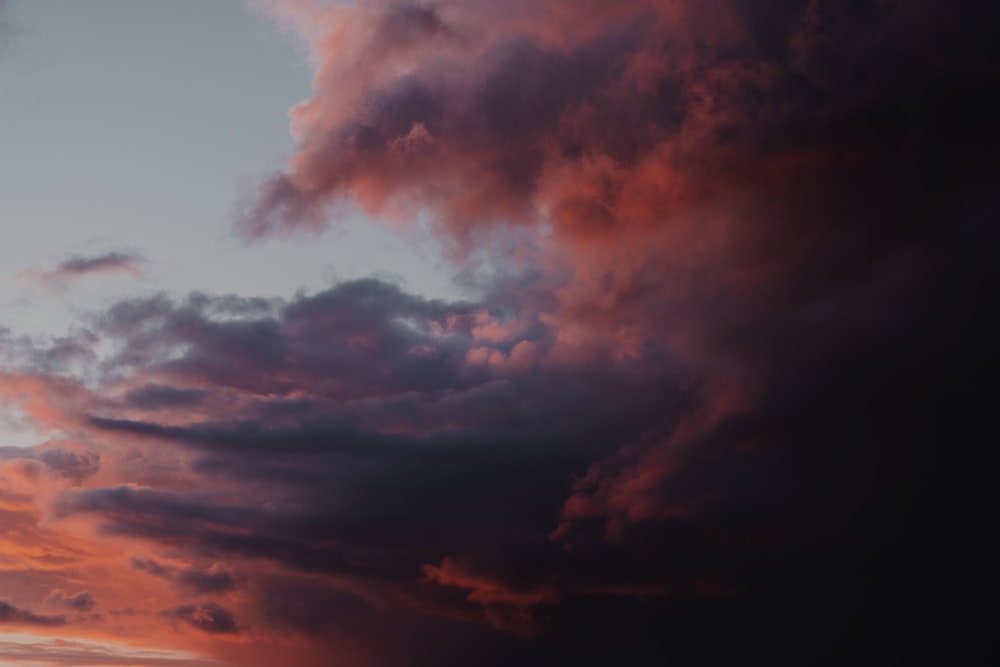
9	614
790	201
376	325
733	413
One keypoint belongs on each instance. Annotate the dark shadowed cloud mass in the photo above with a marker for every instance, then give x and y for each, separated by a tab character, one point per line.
9	614
723	396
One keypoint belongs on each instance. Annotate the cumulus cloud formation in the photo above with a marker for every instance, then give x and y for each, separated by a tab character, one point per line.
727	409
608	119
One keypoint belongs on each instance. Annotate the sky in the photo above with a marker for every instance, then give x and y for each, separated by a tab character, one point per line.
446	333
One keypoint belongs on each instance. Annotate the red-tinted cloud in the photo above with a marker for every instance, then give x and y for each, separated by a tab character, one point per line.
726	409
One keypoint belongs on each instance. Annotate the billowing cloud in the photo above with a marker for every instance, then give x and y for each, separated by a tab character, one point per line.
781	206
617	119
721	401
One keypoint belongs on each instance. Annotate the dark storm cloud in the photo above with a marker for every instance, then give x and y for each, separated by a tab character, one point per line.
740	421
397	498
469	459
797	199
721	85
343	342
745	515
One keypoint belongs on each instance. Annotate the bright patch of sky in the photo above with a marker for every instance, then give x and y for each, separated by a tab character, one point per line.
129	127
25	650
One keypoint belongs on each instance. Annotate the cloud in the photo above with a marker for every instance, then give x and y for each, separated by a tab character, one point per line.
206	616
780	206
62	460
730	411
82	601
79	266
215	579
9	614
75	464
621	116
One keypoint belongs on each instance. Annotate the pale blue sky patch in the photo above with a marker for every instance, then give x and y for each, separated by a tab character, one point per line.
138	126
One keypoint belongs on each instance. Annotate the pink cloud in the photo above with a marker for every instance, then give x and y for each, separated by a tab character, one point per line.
78	266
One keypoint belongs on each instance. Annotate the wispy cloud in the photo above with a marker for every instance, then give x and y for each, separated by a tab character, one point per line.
80	266
82	601
24	649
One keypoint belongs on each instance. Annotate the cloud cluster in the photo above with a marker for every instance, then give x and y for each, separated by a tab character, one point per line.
732	413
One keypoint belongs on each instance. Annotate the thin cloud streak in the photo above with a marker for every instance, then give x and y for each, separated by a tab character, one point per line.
82	653
79	266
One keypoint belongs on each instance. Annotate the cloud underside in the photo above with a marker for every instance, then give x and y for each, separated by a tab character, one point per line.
719	404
